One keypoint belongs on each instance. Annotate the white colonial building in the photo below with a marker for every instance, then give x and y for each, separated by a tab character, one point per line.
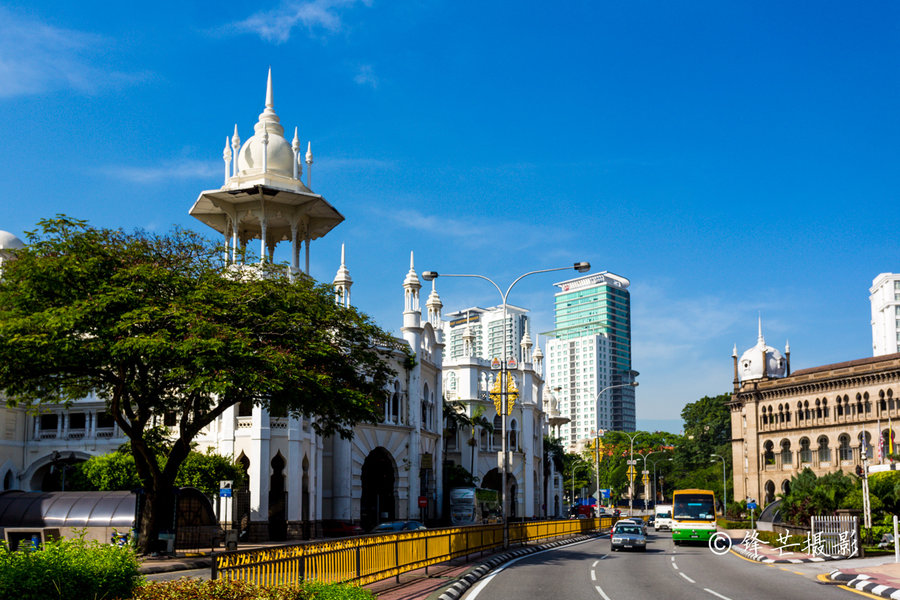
297	479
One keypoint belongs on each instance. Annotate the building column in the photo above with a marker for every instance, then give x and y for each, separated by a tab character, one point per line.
342	480
260	465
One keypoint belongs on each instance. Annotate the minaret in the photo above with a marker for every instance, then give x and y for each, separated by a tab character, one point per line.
787	356
342	282
734	359
526	346
412	315
538	357
761	344
434	306
468	340
263	197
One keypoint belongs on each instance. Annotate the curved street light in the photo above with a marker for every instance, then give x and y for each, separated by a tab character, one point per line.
581	267
575	470
724	485
597	423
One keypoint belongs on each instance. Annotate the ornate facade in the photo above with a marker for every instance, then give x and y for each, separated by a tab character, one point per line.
822	418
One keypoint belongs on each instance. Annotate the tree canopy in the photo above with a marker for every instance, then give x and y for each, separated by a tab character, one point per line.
158	325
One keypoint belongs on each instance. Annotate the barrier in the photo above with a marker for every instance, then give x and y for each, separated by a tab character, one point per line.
370	558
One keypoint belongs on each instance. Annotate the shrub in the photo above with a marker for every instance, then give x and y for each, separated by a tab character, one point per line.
221	589
69	568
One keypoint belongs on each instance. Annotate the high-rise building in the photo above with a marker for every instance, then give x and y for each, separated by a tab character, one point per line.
884	296
486	325
590	350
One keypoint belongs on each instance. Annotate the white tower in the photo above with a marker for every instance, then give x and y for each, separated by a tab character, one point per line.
342	282
263	197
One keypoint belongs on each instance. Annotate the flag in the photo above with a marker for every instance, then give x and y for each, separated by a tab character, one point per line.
880	442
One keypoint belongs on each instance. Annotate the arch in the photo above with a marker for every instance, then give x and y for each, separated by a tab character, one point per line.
825	407
845	451
769	452
823	449
394	408
425	408
786	487
244	463
378	499
787	457
513	434
770	491
818	409
865	440
49	473
277	499
306	499
805	452
497	436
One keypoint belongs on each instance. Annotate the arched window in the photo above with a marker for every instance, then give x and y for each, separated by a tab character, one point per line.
799	411
394	416
513	435
787	457
769	453
497	438
882	403
825	407
865	440
824	450
483	440
806	412
845	452
818	409
451	433
425	413
805	452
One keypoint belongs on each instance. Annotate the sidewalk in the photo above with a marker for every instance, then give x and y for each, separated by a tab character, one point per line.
882	578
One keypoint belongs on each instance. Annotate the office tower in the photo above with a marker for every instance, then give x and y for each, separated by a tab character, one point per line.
884	296
590	350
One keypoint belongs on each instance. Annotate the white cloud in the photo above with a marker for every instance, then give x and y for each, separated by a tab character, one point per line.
37	58
180	169
316	16
366	76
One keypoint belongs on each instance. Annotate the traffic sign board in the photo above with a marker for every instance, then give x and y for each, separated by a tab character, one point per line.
631	472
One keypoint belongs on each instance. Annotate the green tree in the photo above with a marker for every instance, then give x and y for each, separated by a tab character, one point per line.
816	496
157	325
707	431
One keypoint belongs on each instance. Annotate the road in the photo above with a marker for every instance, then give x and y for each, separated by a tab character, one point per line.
589	571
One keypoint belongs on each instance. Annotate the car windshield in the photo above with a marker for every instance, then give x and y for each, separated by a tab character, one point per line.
694	506
629	529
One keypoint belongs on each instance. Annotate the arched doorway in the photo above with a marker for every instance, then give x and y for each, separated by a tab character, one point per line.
378	493
277	501
56	474
770	491
305	499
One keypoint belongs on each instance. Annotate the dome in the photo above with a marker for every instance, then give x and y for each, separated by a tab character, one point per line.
10	242
280	158
280	155
750	365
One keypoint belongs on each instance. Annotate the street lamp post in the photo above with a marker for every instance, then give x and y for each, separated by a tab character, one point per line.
581	267
597	422
574	470
631	479
724	484
655	480
646	472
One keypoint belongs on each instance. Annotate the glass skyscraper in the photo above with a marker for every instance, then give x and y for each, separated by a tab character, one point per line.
590	350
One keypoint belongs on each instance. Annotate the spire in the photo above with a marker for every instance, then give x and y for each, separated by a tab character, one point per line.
734	352
434	306
468	339
267	118
342	282
411	286
295	146
412	280
269	102
309	162
761	340
526	345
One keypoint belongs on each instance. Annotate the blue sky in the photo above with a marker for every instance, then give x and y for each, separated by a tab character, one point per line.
729	158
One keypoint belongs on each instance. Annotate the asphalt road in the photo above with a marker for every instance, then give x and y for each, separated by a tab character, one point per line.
589	571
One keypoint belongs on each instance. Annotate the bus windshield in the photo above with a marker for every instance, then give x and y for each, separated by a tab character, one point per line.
694	506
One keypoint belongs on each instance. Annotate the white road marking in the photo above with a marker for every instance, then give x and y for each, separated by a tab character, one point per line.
595	563
686	577
473	593
717	594
674	566
673	559
599	591
593	575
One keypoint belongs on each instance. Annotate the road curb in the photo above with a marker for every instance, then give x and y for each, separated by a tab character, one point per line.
864	583
464	583
769	561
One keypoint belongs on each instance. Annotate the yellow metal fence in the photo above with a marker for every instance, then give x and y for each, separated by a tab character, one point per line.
370	558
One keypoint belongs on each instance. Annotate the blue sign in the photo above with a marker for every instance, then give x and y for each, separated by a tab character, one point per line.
225	493
751	505
605	492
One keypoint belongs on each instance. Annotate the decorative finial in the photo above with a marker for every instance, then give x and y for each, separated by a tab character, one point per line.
734	352
226	156
761	339
309	156
269	102
295	144
411	261
787	346
236	139
343	255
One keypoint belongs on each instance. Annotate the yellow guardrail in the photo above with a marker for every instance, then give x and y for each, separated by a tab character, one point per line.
370	558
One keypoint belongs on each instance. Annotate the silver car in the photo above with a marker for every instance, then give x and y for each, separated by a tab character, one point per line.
628	535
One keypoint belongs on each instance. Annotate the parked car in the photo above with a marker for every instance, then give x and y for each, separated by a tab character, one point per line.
626	534
390	526
336	528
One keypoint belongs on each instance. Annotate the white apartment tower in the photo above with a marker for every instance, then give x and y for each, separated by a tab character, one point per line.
884	295
486	325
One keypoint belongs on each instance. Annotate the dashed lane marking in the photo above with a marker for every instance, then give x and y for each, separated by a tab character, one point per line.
600	591
593	575
716	594
686	577
595	563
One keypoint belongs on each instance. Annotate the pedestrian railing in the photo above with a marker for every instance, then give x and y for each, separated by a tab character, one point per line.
371	558
834	536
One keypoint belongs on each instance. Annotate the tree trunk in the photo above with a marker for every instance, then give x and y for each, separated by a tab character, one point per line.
157	519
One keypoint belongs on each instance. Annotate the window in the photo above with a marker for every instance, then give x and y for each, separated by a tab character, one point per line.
824	450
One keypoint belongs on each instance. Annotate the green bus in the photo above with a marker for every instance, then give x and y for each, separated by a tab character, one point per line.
693	516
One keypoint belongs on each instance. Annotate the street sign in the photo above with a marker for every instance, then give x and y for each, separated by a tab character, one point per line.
645	472
751	505
423	502
631	472
631	462
225	488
